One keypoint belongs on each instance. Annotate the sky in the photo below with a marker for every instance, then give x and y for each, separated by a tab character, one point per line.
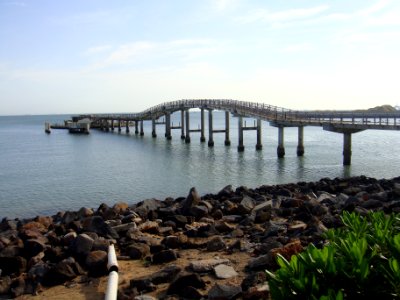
101	56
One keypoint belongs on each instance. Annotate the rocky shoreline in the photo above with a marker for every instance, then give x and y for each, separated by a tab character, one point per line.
236	234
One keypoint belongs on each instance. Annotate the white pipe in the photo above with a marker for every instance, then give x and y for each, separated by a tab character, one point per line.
112	286
112	258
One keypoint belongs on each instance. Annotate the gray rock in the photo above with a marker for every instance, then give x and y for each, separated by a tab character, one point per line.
69	238
207	265
165	275
83	244
226	191
137	250
225	272
164	256
96	261
124	227
216	244
85	212
199	211
262	262
191	200
246	205
224	292
96	224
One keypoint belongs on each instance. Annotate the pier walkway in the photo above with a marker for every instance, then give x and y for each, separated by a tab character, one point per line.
344	122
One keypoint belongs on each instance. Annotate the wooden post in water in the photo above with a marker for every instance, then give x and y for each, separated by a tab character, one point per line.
210	128
153	128
47	128
187	139
183	124
168	125
127	126
119	125
259	144
136	126
346	148
240	134
112	124
227	140
300	144
141	128
281	146
202	137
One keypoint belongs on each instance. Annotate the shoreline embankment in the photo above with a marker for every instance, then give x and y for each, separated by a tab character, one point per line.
215	246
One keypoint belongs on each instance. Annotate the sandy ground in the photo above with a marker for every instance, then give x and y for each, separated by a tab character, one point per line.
94	288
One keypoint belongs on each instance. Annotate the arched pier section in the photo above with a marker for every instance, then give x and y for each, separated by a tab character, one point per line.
344	122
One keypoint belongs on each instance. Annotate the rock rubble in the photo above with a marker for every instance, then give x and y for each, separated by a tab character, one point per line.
47	251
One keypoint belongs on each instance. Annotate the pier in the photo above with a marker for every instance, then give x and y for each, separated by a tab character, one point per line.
341	122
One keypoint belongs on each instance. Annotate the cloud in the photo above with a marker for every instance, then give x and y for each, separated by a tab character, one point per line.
303	47
288	15
97	49
142	52
14	3
221	5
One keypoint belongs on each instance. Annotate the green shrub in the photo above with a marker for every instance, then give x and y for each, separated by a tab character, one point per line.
361	260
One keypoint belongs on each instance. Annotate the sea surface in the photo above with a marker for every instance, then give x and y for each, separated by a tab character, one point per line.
41	174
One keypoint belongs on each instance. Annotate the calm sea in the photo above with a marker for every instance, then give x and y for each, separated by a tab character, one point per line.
44	174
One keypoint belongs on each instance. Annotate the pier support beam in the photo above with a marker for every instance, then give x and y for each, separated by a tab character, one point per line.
182	124
259	144
119	126
127	126
168	126
202	136
347	132
187	138
300	143
112	125
281	146
136	127
153	128
240	134
346	148
210	128
227	140
141	128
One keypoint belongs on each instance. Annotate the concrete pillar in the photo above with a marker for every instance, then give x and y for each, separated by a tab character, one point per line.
300	143
168	126
227	140
259	144
141	128
281	146
202	137
127	126
112	125
183	124
107	126
136	127
153	128
210	129
346	148
187	138
240	134
119	125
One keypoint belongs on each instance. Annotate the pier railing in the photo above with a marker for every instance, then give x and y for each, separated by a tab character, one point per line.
262	111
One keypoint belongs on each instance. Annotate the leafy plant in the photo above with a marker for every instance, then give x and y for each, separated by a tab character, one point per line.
361	260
